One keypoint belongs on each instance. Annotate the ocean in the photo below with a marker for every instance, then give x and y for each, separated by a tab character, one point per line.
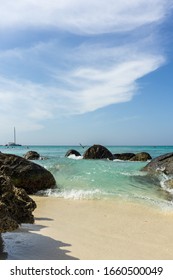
101	179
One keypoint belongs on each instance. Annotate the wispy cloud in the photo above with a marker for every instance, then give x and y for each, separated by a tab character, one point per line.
95	88
102	66
90	17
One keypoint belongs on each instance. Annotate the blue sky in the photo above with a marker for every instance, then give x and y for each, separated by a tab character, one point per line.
96	71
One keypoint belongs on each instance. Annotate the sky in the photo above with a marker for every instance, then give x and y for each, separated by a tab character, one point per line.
95	71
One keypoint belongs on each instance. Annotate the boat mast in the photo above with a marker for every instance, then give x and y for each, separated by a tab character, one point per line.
14	135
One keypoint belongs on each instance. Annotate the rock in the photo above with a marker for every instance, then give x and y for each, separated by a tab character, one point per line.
16	206
25	174
141	157
72	152
32	155
124	156
6	222
161	164
161	168
98	152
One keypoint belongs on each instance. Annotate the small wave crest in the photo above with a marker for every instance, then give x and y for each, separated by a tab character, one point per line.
133	173
74	194
165	205
72	156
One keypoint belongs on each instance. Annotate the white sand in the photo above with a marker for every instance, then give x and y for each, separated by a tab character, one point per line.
93	230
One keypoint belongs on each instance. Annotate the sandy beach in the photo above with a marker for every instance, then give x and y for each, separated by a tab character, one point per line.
92	230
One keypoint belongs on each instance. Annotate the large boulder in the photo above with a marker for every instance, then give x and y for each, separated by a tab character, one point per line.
143	156
16	206
161	164
32	155
72	152
25	174
98	152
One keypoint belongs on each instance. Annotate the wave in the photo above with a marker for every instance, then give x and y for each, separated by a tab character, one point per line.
133	173
163	182
74	194
75	157
165	205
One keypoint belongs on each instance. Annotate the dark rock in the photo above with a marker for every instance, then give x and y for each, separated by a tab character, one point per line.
25	174
32	155
16	206
72	152
98	152
161	164
7	223
124	156
141	157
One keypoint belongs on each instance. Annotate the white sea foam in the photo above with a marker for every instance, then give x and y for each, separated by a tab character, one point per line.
162	204
75	157
163	179
133	173
74	194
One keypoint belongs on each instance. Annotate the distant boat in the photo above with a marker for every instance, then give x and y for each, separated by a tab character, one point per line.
13	144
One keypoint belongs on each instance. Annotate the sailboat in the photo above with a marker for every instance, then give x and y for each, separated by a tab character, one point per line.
13	144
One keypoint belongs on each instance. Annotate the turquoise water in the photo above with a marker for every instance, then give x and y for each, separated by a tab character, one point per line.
101	179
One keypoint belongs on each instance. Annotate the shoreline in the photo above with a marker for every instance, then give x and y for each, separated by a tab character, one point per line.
92	230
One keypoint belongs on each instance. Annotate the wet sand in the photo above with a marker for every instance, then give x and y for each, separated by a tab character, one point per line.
92	230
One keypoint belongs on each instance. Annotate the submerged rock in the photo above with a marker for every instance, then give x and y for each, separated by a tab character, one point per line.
98	152
25	174
143	156
72	152
124	156
32	155
16	206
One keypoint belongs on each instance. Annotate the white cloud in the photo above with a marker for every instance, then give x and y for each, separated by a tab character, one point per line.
88	17
24	103
99	88
84	89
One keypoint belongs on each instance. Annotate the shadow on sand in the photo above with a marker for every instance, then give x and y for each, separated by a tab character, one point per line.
3	254
26	244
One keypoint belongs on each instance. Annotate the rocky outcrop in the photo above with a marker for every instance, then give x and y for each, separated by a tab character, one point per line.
32	155
124	156
141	157
7	223
25	174
72	152
16	206
101	152
163	163
98	152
